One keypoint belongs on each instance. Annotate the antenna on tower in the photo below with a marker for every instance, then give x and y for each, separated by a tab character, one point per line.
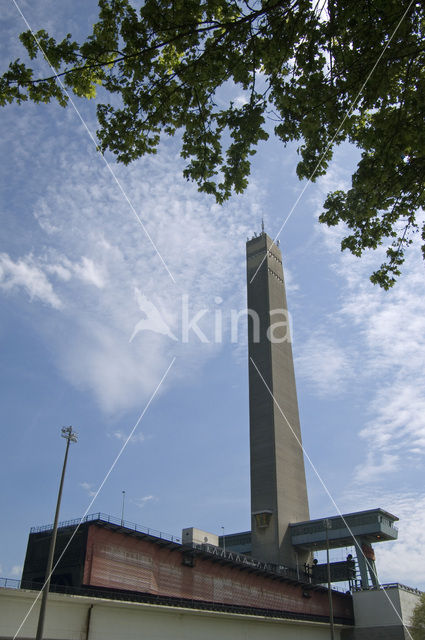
262	225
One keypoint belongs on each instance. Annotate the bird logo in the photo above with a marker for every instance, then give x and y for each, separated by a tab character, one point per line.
153	320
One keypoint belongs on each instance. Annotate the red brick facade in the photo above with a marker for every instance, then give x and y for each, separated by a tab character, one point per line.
118	561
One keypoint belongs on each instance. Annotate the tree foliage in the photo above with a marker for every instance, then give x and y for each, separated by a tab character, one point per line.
417	628
170	65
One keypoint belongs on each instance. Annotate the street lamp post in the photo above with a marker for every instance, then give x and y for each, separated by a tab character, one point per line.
327	526
224	541
70	436
122	510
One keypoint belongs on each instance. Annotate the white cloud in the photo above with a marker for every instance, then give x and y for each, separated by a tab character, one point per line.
240	101
85	270
323	363
386	348
59	271
399	417
96	253
16	571
141	502
31	274
376	467
403	560
119	375
89	272
386	352
24	273
137	438
89	488
392	328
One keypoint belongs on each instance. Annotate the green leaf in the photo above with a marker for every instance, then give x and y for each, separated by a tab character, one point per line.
183	65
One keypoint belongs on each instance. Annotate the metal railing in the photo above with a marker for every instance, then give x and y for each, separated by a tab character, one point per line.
241	558
103	517
247	561
402	586
10	583
390	585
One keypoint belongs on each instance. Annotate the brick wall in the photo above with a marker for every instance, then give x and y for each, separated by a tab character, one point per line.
118	561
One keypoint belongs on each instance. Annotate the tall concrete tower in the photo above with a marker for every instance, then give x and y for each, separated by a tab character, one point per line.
278	485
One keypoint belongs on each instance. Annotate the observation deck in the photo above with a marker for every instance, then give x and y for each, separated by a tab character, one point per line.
373	525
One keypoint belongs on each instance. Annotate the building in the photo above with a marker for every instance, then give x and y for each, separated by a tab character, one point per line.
263	574
279	502
360	529
117	569
278	484
103	555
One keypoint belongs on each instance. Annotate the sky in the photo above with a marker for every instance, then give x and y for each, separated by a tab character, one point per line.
89	248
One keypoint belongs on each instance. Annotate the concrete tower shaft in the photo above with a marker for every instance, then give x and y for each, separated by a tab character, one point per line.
278	484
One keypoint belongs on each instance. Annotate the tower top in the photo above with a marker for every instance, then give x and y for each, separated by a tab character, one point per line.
258	235
255	236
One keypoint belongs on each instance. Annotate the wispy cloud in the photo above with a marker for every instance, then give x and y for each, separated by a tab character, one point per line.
399	411
25	274
386	347
402	560
142	502
93	256
88	272
392	328
379	339
375	467
16	571
89	488
323	363
34	274
137	438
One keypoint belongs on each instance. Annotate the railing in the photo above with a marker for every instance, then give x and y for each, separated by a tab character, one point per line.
10	583
241	558
103	517
247	561
391	585
341	522
397	585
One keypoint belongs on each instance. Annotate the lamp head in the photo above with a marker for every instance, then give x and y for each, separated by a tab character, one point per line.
69	434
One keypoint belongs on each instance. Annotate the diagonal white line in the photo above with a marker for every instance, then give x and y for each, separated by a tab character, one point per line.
349	111
92	138
111	468
319	477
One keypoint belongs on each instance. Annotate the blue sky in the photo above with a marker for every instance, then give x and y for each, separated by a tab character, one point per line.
72	258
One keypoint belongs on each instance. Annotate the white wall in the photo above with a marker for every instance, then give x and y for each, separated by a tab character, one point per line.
383	607
408	602
191	534
113	620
